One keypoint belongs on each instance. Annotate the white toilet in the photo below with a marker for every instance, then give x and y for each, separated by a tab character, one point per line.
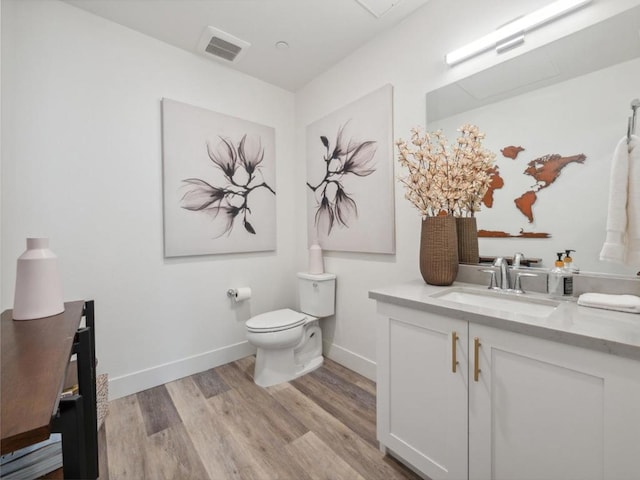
290	343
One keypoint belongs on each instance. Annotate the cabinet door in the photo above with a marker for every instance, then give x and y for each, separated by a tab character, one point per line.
422	402
544	410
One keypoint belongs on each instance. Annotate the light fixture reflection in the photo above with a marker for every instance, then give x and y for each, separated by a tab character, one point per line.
515	29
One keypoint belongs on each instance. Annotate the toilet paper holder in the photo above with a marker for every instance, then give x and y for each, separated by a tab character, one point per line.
239	294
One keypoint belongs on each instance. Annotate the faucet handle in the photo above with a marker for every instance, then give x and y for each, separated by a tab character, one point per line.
517	288
498	261
492	279
517	259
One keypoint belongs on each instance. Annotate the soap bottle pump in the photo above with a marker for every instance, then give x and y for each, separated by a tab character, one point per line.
554	279
569	266
559	284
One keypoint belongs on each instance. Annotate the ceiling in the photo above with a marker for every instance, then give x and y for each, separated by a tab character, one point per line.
319	32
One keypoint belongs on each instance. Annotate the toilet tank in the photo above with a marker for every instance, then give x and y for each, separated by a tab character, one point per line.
317	294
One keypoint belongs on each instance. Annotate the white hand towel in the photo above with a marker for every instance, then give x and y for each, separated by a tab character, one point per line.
621	303
622	243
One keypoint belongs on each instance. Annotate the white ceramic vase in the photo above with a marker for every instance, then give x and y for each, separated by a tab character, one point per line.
38	287
316	264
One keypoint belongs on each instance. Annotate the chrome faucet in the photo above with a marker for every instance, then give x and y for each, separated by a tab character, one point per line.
504	282
517	259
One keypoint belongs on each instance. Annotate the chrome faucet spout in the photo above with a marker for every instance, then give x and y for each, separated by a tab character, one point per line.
517	259
505	280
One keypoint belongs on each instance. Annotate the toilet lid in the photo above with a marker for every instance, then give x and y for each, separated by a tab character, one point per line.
276	320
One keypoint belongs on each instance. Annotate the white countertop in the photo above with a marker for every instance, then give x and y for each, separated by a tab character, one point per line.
612	332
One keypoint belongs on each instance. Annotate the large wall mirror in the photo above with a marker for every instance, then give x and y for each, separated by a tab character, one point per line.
569	98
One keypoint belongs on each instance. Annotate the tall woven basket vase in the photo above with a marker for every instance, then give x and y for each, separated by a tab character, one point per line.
439	250
468	251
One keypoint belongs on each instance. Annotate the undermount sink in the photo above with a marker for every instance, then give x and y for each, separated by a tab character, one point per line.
503	301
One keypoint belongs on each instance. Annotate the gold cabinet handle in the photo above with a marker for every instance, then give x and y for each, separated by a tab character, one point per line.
454	360
476	359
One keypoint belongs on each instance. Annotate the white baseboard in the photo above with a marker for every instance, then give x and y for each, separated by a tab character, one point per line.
168	372
349	359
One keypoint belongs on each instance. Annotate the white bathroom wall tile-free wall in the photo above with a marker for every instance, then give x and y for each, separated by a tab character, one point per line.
82	165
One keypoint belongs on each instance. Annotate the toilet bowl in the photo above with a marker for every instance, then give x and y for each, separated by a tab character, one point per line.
289	343
289	347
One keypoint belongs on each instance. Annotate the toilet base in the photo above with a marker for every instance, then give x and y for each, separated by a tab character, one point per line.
279	365
275	366
311	366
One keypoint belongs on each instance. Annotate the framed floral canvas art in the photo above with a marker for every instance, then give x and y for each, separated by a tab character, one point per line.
219	182
350	199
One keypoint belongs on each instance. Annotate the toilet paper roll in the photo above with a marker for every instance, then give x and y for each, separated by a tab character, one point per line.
242	293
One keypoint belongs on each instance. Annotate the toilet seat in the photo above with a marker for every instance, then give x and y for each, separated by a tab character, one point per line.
276	321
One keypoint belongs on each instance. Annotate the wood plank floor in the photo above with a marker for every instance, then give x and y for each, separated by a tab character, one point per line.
219	425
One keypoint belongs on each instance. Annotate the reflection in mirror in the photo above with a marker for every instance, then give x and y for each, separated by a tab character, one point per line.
612	41
553	116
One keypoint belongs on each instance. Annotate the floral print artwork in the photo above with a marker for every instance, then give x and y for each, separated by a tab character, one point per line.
219	182
240	165
346	157
349	182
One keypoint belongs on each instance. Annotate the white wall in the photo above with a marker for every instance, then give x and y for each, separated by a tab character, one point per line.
82	165
410	57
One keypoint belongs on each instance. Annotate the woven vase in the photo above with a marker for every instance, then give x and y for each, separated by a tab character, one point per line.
439	250
467	229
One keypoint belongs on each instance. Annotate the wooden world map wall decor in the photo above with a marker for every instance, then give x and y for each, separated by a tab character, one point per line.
511	151
544	170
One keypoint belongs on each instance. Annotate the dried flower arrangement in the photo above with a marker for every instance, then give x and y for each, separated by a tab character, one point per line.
444	179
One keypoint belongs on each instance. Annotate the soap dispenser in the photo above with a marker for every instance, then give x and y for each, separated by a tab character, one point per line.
559	283
569	266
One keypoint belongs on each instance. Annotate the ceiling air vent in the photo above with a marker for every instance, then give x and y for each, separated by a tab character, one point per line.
221	45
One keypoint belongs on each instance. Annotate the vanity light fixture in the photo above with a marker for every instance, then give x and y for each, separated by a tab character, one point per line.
512	33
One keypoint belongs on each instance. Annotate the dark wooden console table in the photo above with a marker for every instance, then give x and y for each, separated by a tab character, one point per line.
35	359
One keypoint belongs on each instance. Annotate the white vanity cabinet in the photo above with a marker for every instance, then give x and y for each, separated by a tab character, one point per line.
546	410
422	402
528	408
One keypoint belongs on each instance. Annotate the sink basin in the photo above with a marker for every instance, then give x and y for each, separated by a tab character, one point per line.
506	302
